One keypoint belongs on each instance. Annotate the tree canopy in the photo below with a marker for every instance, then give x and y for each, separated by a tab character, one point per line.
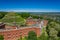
32	35
1	37
2	14
53	29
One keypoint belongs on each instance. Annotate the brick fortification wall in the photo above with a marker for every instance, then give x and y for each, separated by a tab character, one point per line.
17	33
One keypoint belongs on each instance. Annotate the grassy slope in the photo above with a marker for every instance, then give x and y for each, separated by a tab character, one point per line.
13	17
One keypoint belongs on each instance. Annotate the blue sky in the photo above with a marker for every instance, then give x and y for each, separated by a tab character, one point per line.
30	5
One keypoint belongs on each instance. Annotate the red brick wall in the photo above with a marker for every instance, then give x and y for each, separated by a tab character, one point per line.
15	34
45	22
10	27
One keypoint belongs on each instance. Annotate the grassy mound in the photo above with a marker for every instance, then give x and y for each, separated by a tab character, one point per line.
13	18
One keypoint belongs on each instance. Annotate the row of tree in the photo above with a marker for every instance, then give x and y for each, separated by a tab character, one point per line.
26	15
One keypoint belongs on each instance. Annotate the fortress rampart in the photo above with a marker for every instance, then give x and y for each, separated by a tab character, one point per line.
14	34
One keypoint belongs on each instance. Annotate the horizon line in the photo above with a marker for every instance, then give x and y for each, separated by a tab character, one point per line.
28	10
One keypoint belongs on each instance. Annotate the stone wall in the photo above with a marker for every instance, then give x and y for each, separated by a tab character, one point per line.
17	33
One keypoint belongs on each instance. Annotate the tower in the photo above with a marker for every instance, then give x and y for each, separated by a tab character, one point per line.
41	24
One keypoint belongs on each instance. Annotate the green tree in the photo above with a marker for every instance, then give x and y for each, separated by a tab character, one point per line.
2	14
34	16
53	34
25	15
25	38
1	37
41	17
32	35
52	30
43	36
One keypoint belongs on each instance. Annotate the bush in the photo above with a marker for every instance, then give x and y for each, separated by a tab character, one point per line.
32	35
1	37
